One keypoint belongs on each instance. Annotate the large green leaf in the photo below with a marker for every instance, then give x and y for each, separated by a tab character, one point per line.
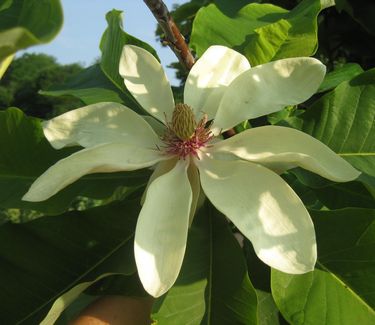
90	86
334	78
352	194
268	314
4	64
262	32
68	299
111	44
27	23
344	120
335	195
25	154
341	291
44	258
213	286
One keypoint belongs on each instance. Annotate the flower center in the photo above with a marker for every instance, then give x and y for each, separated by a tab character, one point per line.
184	136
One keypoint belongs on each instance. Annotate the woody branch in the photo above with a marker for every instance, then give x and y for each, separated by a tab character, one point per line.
172	33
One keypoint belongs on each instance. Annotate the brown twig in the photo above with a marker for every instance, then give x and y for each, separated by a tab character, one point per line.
172	33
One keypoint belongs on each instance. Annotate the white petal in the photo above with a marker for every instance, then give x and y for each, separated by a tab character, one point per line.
161	232
268	88
99	123
104	158
282	148
161	168
265	209
210	76
146	80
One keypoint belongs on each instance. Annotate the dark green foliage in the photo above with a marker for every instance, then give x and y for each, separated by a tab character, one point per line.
43	258
29	74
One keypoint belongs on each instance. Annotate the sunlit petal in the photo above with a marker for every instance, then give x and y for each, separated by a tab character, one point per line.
265	209
97	124
160	237
210	76
104	158
268	88
146	80
161	168
282	148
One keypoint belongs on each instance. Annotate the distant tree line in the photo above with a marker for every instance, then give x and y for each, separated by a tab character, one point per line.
29	74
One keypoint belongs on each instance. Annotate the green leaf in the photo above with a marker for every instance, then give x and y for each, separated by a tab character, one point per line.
341	291
27	23
4	64
339	75
105	285
111	44
268	314
344	120
336	195
65	300
25	154
262	32
90	86
352	194
44	258
213	286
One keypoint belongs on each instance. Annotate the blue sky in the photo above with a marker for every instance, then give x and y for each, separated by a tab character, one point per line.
84	23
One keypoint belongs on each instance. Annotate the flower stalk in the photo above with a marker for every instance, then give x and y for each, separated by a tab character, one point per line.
173	36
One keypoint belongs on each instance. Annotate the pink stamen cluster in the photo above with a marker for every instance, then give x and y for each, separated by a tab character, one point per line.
189	147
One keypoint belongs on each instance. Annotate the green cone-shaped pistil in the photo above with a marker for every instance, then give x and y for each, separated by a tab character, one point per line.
183	121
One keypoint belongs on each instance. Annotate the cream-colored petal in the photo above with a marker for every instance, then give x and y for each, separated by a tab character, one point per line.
145	78
210	76
267	88
161	168
281	148
161	232
104	158
265	209
100	123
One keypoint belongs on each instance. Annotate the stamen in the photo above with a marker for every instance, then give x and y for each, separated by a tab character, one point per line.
184	137
183	121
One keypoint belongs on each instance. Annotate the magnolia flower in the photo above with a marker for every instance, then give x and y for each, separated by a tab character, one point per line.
239	175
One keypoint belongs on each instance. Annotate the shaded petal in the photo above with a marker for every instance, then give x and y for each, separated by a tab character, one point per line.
282	148
196	190
104	158
268	88
145	78
210	76
99	123
161	232
265	209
